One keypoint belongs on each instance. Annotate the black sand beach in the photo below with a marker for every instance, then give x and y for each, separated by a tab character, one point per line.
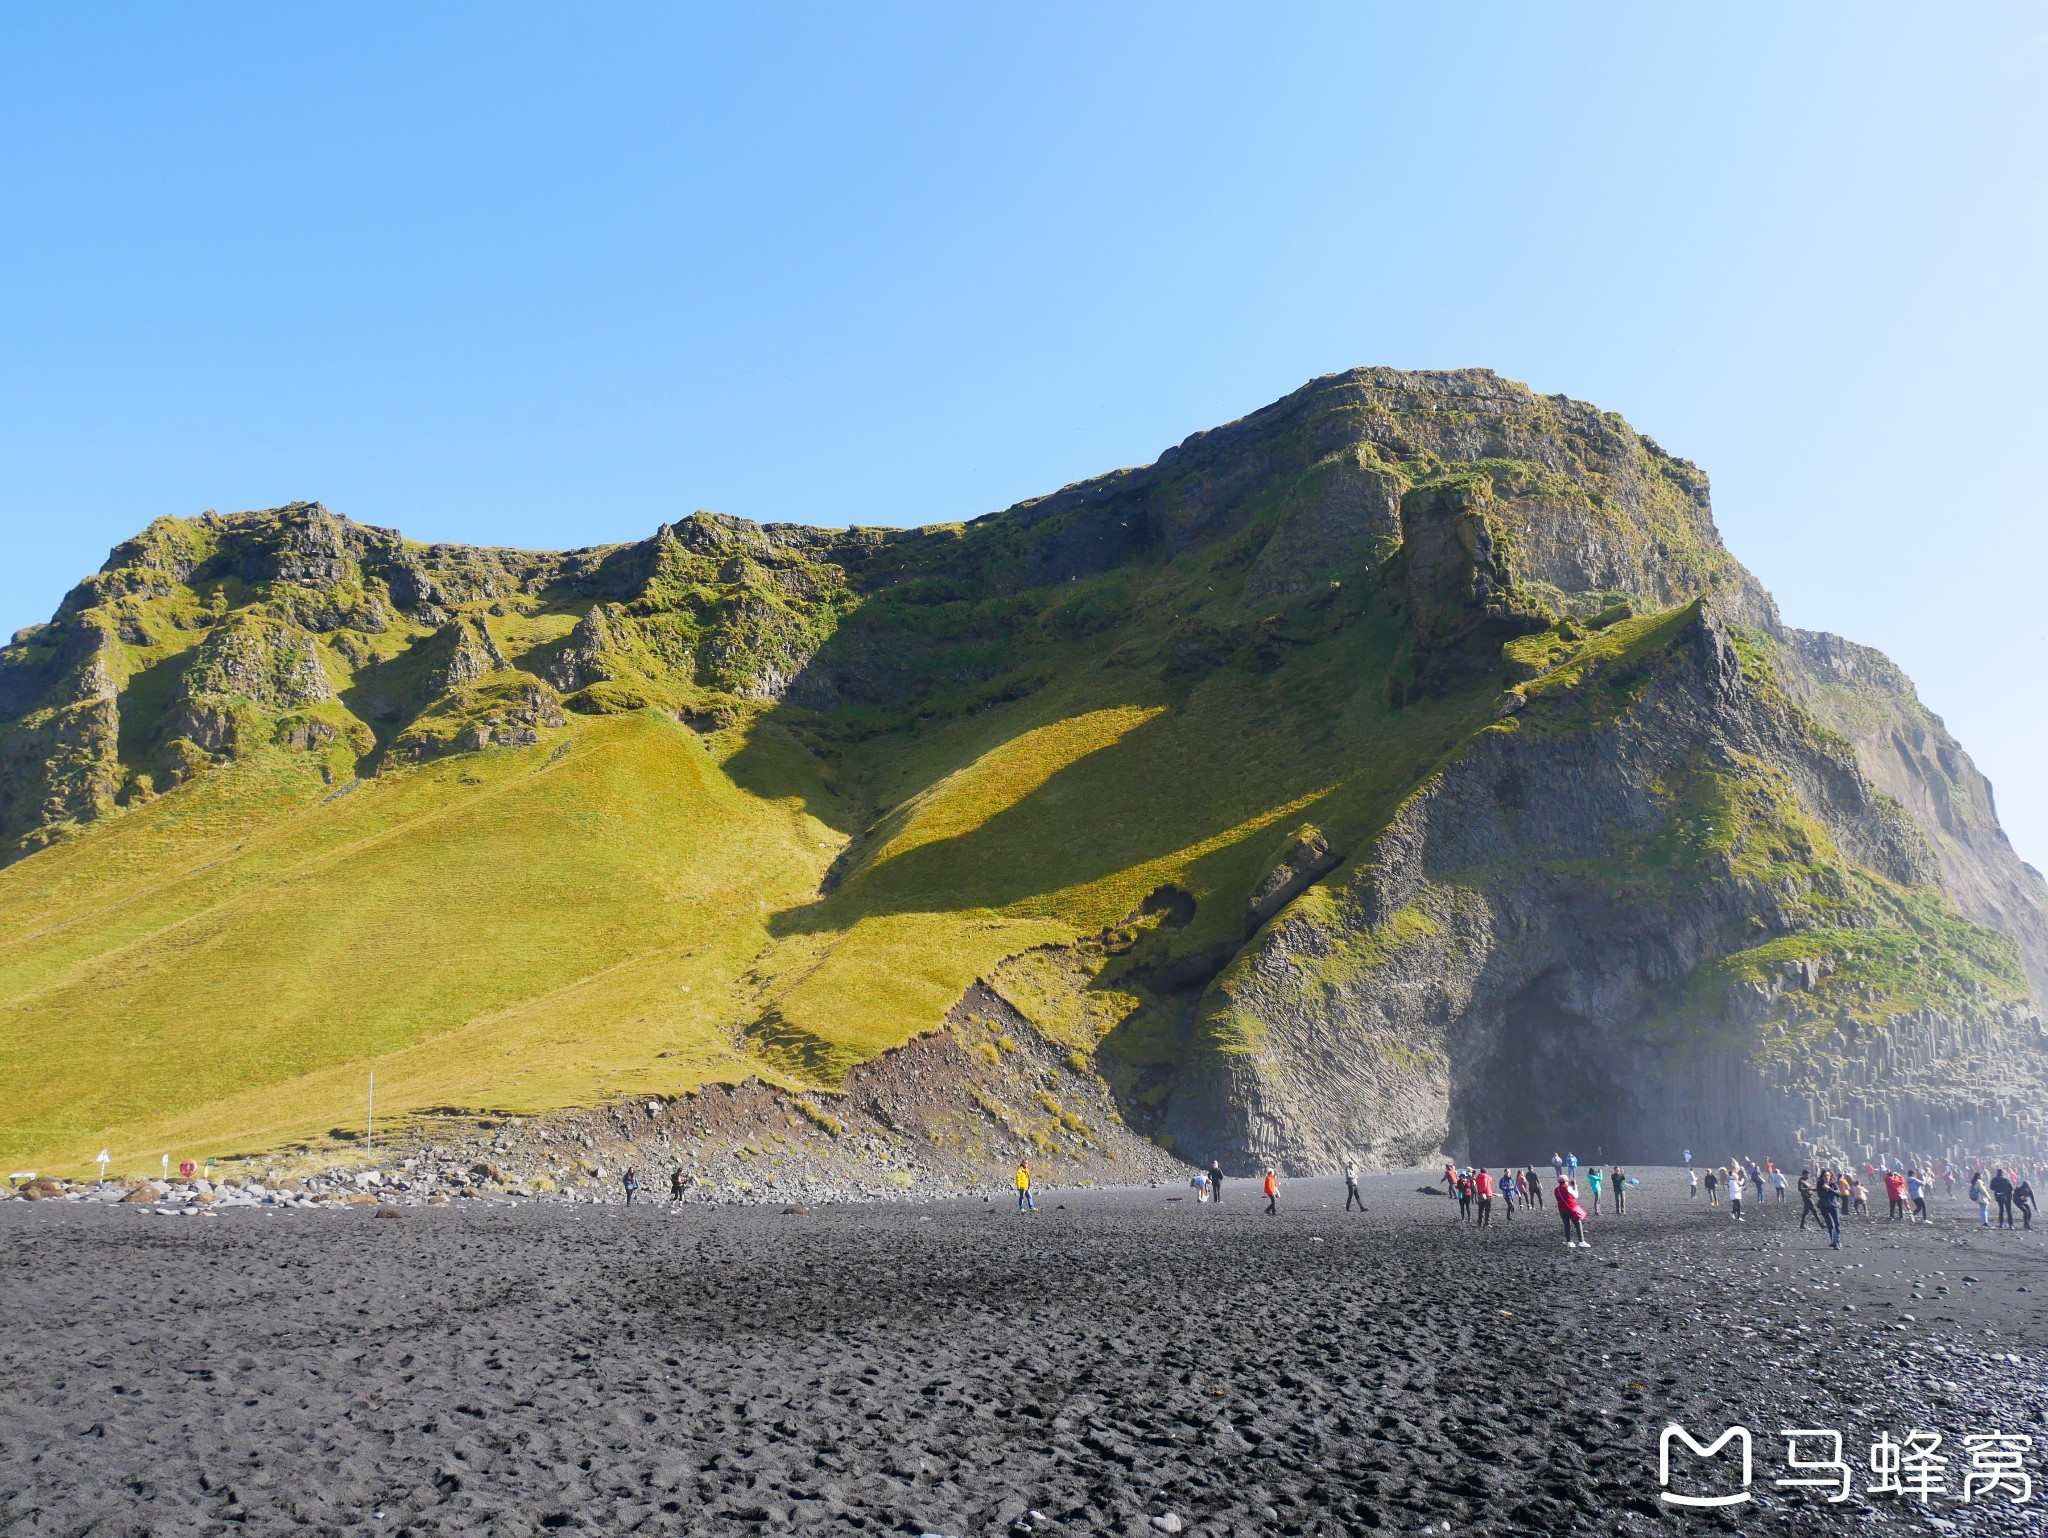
1119	1363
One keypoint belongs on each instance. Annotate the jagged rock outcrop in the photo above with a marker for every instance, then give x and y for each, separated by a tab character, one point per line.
1307	859
460	653
591	653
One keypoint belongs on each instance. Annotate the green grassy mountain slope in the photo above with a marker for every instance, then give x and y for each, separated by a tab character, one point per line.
288	799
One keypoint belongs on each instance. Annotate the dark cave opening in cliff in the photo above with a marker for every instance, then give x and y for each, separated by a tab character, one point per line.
1550	1085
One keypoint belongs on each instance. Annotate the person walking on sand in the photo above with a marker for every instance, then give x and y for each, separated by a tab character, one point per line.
1024	1200
1735	1192
1572	1214
1510	1190
1830	1208
1916	1192
1806	1206
1981	1197
1713	1186
1859	1198
2023	1202
2001	1190
1216	1182
1351	1184
631	1182
1272	1193
1482	1192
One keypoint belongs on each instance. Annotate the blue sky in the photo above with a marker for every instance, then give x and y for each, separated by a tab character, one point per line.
546	275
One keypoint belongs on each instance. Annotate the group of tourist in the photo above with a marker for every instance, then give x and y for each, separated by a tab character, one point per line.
1477	1189
1735	1179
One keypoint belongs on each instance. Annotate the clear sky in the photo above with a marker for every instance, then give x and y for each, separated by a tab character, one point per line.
547	275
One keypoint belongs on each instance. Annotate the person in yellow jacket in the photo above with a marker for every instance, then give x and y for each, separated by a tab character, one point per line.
1024	1201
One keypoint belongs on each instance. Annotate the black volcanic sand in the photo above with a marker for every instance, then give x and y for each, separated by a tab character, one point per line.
956	1368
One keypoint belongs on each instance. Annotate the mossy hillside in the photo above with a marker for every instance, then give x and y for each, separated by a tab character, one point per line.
991	857
1028	821
945	750
517	930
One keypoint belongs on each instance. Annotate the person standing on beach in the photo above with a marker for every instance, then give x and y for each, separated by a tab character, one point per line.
1916	1190
1463	1186
675	1184
1593	1180
1572	1214
1510	1192
1713	1185
1830	1208
1981	1197
1688	1158
1557	1165
1806	1206
1024	1201
1482	1191
2001	1189
1272	1190
1692	1185
1735	1192
1351	1184
1216	1181
631	1182
1777	1183
2023	1201
1894	1196
1619	1182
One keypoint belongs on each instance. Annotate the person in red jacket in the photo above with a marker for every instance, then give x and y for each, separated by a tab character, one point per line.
1272	1190
1482	1190
1574	1215
1895	1194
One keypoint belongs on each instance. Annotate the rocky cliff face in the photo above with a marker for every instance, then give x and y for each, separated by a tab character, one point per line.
1615	860
1672	915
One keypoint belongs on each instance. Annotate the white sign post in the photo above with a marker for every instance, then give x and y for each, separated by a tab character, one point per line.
102	1162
